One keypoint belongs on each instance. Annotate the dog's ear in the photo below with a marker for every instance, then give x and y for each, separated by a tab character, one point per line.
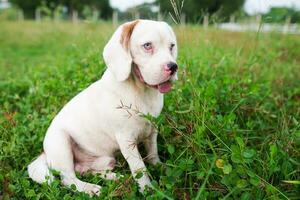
116	53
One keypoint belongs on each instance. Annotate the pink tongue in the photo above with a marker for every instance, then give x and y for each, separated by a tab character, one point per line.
164	87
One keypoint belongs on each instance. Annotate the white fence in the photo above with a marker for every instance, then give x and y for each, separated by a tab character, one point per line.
287	28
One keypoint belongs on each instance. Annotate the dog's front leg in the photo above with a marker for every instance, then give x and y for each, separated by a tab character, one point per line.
129	149
151	148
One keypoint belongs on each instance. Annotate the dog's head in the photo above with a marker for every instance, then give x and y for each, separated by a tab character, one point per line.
149	47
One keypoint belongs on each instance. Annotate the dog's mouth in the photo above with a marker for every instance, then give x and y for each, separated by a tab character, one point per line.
163	87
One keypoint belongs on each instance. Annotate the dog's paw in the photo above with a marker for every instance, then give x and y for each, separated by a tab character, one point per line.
154	161
144	182
91	189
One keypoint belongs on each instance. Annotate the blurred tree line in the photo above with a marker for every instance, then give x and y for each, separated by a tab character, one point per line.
195	9
278	15
29	6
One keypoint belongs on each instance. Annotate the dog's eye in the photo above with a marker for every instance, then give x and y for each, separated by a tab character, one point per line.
148	46
172	46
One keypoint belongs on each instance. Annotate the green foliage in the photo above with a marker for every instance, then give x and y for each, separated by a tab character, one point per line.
196	9
29	7
279	15
229	129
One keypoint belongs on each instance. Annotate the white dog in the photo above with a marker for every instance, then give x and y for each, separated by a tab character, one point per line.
106	117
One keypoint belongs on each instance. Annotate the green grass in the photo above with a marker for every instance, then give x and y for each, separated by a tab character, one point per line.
230	129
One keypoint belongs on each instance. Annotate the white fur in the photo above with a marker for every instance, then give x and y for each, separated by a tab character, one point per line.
106	116
39	171
161	36
115	56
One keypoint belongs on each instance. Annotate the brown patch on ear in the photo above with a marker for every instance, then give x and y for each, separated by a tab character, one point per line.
126	33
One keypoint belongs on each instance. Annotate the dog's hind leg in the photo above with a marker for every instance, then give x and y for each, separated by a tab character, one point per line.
58	150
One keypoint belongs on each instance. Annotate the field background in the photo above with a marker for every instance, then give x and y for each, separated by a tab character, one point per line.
230	129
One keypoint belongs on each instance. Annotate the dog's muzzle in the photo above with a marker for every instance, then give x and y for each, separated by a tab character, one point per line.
163	87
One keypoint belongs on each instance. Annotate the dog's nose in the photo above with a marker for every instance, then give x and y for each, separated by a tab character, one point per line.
172	67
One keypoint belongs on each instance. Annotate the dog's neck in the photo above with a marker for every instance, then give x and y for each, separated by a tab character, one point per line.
133	91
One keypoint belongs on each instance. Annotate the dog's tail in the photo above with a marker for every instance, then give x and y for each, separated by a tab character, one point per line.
38	170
